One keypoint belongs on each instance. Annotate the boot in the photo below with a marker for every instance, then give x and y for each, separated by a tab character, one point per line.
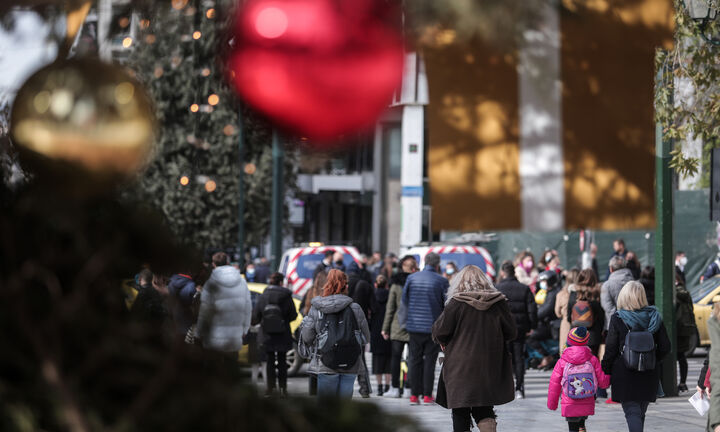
487	425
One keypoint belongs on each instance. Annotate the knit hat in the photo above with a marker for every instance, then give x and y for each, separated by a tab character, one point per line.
578	336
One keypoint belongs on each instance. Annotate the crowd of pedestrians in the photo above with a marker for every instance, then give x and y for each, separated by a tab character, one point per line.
591	335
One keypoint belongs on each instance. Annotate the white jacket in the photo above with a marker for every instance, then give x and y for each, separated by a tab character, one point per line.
225	310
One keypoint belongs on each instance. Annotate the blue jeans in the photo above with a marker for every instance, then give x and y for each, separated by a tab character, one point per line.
635	415
335	385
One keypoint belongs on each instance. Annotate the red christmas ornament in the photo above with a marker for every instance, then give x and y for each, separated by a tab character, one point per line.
320	68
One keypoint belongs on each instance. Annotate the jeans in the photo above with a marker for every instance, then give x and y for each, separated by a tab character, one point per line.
395	360
281	368
461	417
635	415
335	385
423	356
517	350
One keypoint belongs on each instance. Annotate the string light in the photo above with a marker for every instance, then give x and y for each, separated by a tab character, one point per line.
213	99
229	130
210	14
197	35
206	72
210	186
150	39
123	22
158	72
250	168
127	42
184	180
144	23
179	4
194	108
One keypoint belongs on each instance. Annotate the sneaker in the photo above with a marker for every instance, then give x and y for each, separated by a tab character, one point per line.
519	395
414	400
582	429
392	393
610	401
428	400
365	395
682	387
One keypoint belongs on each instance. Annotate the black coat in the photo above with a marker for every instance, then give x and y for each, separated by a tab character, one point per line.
378	345
282	297
546	311
649	285
360	291
521	303
629	385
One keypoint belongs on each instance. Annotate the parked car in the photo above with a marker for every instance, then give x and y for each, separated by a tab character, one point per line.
461	255
298	264
703	296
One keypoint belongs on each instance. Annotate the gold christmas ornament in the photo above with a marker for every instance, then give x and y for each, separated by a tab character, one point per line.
85	114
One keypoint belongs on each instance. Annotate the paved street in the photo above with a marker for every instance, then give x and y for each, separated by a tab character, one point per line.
531	414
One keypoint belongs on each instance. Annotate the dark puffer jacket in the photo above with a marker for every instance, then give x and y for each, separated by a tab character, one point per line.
181	290
521	303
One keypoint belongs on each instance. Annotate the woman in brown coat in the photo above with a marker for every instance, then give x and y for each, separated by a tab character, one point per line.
473	331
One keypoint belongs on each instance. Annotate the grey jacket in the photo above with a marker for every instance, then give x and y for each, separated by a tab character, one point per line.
225	310
310	328
610	291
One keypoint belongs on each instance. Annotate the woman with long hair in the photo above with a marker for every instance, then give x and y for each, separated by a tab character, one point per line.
588	313
561	303
473	331
633	388
335	374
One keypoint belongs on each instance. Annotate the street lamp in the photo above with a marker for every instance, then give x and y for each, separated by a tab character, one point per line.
703	12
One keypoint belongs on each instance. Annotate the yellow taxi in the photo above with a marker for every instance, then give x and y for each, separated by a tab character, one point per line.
703	301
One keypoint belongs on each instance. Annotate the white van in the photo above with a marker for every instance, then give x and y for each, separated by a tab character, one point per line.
461	255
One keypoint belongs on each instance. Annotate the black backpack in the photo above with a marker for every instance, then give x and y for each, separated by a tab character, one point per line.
639	350
338	345
272	319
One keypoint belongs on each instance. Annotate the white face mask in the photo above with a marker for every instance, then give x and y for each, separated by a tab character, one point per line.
450	270
548	257
683	261
543	285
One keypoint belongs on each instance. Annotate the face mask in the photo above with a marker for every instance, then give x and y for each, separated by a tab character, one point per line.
548	257
251	272
339	263
450	270
683	261
543	285
528	265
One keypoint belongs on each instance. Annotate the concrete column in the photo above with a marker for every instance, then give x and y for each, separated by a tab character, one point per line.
379	193
412	175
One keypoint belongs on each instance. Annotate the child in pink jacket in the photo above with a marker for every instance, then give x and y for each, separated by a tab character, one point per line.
576	389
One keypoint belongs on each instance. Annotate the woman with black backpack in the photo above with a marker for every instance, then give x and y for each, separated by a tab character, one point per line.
636	343
336	331
584	309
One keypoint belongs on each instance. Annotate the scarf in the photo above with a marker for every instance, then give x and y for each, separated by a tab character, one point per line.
641	319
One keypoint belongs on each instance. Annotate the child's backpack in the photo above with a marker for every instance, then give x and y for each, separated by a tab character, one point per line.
582	314
338	344
579	381
272	319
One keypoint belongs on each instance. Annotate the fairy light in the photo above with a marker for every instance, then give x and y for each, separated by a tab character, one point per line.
184	180
123	22
250	168
229	130
210	185
127	42
210	13
206	72
197	35
213	99
144	23
179	4
158	72
150	39
194	107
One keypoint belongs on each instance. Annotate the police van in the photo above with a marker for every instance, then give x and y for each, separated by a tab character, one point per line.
460	254
298	264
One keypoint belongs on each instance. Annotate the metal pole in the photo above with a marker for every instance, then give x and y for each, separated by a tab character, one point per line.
664	266
277	200
241	191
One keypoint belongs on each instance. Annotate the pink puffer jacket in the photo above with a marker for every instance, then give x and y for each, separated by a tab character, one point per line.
574	407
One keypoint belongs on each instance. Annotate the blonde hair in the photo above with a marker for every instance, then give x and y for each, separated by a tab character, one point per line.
632	297
470	278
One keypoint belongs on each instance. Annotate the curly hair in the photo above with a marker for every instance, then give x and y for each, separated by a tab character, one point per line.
336	283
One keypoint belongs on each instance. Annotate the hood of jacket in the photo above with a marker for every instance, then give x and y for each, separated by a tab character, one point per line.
577	354
641	319
178	282
480	300
399	278
331	304
226	276
619	275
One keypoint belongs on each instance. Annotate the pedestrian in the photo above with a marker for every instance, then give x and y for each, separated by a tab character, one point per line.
525	270
713	424
339	261
262	270
547	281
364	271
584	310
575	380
685	329
225	308
619	276
315	291
680	264
181	291
380	347
450	270
647	278
633	264
250	273
392	328
424	297
337	330
524	310
473	331
388	267
632	386
712	270
561	305
374	263
359	289
326	264
150	302
274	311
618	251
